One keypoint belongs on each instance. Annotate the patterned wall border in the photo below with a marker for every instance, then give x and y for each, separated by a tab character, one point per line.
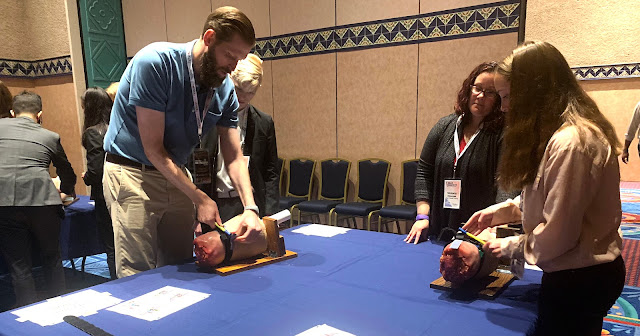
611	71
487	19
48	67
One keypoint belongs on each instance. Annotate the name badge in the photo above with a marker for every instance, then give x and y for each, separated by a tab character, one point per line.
201	166
452	191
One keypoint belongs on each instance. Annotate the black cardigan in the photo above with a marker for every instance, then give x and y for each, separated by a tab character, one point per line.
477	168
92	141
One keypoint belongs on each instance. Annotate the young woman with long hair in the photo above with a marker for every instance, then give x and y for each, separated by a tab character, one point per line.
561	150
97	109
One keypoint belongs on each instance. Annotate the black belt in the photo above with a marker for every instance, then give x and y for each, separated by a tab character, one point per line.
117	159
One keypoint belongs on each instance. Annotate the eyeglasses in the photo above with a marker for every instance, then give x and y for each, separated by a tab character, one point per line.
487	93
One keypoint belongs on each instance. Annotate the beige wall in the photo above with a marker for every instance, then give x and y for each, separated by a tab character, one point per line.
587	32
592	33
47	27
11	29
33	30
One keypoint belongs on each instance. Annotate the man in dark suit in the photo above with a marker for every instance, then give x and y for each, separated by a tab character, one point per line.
258	141
30	204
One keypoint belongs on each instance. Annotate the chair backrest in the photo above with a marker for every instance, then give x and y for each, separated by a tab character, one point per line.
280	167
334	178
300	177
409	170
373	175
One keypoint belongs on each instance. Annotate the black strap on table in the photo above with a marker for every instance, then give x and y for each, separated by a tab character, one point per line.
85	326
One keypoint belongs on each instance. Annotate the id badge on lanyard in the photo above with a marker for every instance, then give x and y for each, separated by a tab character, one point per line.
201	166
202	173
452	192
453	187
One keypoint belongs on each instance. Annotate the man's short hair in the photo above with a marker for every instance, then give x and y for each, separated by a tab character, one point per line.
227	21
248	73
27	102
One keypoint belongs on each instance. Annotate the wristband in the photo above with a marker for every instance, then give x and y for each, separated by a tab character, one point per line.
421	217
253	208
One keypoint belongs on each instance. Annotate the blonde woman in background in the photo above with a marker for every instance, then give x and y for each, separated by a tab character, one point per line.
112	89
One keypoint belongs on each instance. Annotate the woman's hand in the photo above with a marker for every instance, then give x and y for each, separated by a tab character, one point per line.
416	231
480	220
494	247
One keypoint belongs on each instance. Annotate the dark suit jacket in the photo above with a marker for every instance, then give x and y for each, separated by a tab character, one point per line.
92	141
260	146
26	150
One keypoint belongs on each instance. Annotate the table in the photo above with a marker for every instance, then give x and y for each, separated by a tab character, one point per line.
79	236
78	233
365	283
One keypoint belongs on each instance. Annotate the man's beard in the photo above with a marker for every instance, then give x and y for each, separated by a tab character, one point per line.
209	70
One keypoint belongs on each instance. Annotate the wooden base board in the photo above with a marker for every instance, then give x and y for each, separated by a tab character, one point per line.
246	264
488	288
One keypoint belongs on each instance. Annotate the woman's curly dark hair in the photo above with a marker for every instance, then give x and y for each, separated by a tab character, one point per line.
495	119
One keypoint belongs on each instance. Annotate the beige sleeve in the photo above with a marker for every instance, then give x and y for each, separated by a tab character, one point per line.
569	187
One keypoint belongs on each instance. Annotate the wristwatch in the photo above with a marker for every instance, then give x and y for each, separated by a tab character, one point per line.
253	208
421	217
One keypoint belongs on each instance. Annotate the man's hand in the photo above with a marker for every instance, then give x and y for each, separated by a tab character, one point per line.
207	212
625	156
250	227
494	247
416	231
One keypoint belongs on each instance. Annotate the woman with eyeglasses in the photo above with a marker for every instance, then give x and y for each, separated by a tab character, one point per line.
459	160
562	152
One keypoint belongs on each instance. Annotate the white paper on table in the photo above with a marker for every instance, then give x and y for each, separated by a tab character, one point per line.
92	202
51	312
159	303
321	230
532	267
324	330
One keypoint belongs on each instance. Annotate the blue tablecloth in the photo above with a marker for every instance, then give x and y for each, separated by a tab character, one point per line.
365	283
78	231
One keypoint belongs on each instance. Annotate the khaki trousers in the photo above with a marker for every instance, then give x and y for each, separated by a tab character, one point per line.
152	219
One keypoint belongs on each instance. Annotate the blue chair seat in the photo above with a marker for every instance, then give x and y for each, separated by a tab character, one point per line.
357	208
318	206
407	212
289	201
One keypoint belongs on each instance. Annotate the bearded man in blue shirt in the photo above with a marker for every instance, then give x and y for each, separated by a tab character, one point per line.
169	95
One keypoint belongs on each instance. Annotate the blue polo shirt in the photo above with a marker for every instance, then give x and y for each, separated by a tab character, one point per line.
158	78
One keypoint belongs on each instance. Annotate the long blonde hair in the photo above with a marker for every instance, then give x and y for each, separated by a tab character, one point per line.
545	96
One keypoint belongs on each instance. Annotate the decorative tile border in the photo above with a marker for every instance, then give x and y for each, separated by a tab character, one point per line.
612	71
487	19
55	66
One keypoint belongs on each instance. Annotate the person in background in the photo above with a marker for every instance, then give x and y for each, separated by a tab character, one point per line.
258	143
562	152
30	204
457	169
5	101
631	132
97	108
112	89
